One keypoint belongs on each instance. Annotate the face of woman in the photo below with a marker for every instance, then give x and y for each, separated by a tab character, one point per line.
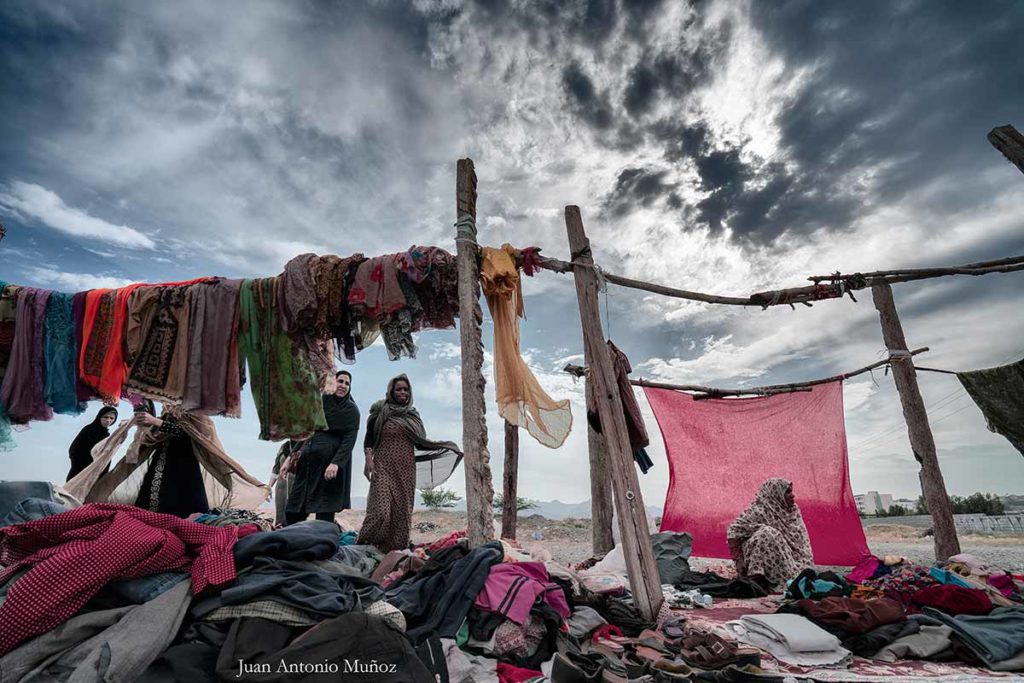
401	393
790	498
108	419
344	385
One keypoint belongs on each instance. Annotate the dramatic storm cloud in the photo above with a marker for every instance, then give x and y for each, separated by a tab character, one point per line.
722	146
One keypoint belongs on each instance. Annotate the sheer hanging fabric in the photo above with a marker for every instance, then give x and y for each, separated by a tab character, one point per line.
522	401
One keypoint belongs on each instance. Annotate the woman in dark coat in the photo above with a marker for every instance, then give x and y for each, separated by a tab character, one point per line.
91	434
395	441
323	472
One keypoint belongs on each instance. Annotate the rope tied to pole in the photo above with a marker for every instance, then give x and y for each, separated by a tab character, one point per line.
465	228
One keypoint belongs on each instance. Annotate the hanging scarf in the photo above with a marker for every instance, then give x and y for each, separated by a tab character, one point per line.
770	509
97	333
60	354
82	390
284	385
213	382
435	460
521	399
23	389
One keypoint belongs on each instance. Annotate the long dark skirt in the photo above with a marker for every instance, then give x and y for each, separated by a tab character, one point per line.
174	481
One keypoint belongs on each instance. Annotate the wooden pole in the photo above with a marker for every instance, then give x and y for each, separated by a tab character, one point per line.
843	285
479	487
1010	143
636	539
921	440
510	509
602	513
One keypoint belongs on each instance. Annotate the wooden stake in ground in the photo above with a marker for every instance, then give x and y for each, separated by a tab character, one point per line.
1010	142
479	487
510	480
601	510
636	540
921	440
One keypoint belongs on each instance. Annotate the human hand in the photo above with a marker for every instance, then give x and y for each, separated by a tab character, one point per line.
147	420
331	472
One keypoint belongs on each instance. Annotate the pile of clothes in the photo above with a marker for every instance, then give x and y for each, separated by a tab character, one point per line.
888	609
189	343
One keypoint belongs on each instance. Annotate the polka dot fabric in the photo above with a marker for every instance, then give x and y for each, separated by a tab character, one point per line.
74	554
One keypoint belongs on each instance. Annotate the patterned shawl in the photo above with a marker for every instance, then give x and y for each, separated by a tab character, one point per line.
435	460
771	509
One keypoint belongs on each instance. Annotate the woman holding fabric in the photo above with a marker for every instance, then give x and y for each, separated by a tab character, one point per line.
91	434
323	469
399	459
770	537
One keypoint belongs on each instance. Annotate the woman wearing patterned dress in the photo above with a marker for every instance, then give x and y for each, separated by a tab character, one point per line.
770	537
395	441
173	483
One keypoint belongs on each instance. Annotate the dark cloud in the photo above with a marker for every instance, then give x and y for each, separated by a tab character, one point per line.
587	103
639	187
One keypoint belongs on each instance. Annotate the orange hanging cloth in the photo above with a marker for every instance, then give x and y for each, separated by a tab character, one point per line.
522	401
103	364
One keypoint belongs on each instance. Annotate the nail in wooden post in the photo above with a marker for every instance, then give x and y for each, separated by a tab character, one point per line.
636	539
510	480
921	440
479	487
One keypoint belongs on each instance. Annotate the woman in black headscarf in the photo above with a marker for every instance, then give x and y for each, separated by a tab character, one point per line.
91	434
323	471
395	442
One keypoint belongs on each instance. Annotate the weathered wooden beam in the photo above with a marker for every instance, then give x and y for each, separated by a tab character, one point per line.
602	510
1010	143
479	486
714	392
510	482
826	286
921	440
636	538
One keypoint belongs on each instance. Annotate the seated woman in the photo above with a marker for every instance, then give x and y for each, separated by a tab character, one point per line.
769	537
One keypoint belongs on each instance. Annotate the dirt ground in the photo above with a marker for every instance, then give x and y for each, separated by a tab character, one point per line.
568	540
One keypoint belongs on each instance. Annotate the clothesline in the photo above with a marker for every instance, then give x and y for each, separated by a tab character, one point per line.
705	392
824	287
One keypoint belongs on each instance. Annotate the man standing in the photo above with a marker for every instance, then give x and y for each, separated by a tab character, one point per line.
323	470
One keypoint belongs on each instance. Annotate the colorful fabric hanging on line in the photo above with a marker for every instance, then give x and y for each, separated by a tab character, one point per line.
284	385
720	451
24	386
61	357
521	399
999	393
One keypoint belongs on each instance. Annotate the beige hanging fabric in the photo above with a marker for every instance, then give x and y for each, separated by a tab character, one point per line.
521	399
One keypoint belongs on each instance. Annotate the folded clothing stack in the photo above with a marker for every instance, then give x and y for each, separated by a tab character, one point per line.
790	638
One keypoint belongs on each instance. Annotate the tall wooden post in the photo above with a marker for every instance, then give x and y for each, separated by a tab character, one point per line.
510	481
479	488
601	510
636	539
921	440
1010	142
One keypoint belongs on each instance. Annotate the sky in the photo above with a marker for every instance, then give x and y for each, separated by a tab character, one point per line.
721	146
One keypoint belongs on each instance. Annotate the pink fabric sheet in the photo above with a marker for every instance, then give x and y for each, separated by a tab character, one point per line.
721	450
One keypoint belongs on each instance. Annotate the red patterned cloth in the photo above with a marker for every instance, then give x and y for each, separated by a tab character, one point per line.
74	554
514	674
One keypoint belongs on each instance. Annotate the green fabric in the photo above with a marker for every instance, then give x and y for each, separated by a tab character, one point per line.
284	385
999	392
462	637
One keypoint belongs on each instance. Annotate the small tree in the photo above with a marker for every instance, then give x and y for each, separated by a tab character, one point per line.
521	503
436	499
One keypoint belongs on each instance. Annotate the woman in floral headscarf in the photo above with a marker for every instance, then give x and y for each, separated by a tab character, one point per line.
399	459
770	537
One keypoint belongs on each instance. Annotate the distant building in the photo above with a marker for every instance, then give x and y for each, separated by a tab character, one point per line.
873	502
